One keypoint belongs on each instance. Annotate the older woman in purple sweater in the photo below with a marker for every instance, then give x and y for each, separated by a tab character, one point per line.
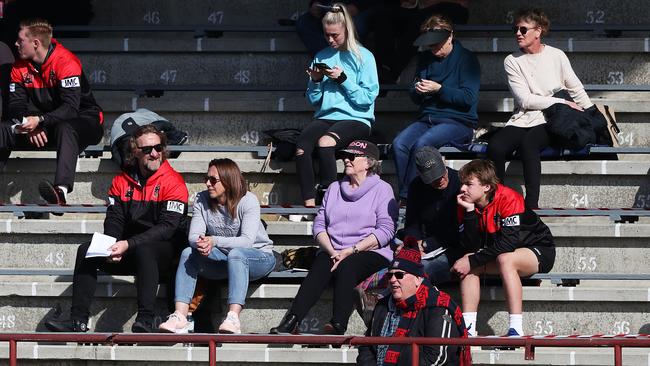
353	227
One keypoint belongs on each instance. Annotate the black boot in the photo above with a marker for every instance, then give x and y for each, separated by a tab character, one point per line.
66	325
332	328
288	325
142	325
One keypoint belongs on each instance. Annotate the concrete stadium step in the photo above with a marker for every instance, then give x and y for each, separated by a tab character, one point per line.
239	118
290	42
261	69
564	184
238	354
266	13
583	245
585	309
211	12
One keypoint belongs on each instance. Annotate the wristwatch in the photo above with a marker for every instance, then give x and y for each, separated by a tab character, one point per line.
355	250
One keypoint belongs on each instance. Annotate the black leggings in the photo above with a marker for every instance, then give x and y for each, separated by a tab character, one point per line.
149	262
343	132
528	142
350	272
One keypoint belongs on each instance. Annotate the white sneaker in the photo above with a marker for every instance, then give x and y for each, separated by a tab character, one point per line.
231	324
176	323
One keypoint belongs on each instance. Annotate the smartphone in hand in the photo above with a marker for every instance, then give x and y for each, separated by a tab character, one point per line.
321	66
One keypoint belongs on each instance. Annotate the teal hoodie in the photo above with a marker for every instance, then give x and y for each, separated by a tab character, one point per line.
354	99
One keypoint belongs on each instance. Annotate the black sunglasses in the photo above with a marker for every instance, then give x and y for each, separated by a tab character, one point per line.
213	180
523	30
349	156
147	149
398	275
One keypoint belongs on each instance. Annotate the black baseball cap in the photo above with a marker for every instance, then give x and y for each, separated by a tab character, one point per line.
430	164
432	36
362	147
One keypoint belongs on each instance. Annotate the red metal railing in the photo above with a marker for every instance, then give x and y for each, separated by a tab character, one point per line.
529	343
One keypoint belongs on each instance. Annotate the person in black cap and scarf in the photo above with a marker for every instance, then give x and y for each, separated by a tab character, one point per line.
446	86
415	309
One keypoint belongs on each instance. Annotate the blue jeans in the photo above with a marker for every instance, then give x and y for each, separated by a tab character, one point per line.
239	266
434	132
438	269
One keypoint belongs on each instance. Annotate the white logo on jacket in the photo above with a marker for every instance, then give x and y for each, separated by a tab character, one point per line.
175	206
12	87
510	221
72	82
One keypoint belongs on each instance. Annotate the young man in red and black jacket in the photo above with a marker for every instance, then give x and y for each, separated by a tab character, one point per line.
147	214
502	237
67	119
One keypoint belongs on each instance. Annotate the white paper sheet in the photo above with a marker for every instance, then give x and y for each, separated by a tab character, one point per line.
100	246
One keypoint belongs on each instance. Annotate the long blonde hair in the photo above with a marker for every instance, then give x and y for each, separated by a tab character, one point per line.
339	15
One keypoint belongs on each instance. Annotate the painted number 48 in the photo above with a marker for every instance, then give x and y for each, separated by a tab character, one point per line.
55	259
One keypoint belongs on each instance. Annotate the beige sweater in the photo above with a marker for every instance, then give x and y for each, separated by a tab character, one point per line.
534	78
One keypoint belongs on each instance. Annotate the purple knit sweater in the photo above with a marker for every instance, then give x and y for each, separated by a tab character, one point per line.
349	215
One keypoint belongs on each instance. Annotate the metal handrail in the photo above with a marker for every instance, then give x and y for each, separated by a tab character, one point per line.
528	342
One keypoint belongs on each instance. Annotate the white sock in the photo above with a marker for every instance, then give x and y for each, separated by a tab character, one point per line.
470	323
64	189
516	323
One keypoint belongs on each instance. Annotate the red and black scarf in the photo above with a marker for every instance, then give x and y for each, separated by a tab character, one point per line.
426	296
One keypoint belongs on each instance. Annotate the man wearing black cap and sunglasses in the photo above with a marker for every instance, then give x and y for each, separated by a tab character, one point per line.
415	308
147	214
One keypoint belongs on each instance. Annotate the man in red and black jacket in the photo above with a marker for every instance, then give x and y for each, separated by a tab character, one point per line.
502	236
147	214
67	119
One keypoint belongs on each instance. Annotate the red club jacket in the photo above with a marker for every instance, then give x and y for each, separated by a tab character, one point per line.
504	225
151	213
58	88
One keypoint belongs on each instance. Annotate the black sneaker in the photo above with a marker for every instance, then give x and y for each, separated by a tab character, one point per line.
66	325
52	194
142	326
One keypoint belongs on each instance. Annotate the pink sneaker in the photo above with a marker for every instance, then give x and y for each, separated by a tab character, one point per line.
231	324
176	323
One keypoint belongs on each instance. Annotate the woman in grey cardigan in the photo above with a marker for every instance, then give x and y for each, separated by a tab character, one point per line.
227	240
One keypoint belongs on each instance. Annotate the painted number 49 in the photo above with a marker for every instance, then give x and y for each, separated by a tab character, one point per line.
250	137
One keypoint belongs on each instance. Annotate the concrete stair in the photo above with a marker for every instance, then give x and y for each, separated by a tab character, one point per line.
167	12
246	354
564	183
